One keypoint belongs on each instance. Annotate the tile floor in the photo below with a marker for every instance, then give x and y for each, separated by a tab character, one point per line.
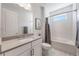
55	52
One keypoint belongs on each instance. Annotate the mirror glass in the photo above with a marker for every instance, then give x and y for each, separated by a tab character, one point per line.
16	19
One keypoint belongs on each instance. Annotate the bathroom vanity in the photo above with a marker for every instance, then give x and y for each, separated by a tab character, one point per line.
30	46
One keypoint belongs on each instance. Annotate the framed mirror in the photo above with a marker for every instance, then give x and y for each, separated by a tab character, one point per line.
37	23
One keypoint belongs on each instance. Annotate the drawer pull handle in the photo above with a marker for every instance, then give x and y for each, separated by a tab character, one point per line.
32	52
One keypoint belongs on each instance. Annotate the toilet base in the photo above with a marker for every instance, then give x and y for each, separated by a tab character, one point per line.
45	48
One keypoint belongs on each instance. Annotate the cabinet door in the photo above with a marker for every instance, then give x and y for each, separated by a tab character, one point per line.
37	50
26	53
77	52
37	47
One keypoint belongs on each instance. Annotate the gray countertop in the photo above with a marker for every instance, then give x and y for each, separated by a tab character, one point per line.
16	36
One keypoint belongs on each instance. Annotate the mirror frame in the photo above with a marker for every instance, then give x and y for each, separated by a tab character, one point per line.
37	23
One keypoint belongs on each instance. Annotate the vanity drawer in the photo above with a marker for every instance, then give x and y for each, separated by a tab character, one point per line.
18	50
39	41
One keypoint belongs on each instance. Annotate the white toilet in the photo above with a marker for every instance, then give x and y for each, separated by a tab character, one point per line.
46	47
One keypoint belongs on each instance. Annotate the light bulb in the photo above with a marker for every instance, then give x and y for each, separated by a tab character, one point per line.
27	6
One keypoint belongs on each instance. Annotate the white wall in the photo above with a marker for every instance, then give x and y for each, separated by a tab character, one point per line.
37	13
50	7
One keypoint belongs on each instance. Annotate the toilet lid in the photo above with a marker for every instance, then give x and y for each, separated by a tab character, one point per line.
46	45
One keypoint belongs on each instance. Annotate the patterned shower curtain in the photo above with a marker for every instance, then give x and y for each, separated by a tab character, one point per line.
47	32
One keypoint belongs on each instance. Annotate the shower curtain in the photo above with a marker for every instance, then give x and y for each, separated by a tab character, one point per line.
47	32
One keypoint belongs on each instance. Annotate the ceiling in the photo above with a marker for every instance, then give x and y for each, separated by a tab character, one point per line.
49	4
46	4
13	6
16	7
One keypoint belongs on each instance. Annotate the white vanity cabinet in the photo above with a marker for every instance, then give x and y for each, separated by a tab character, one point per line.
37	50
1	54
32	48
22	50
